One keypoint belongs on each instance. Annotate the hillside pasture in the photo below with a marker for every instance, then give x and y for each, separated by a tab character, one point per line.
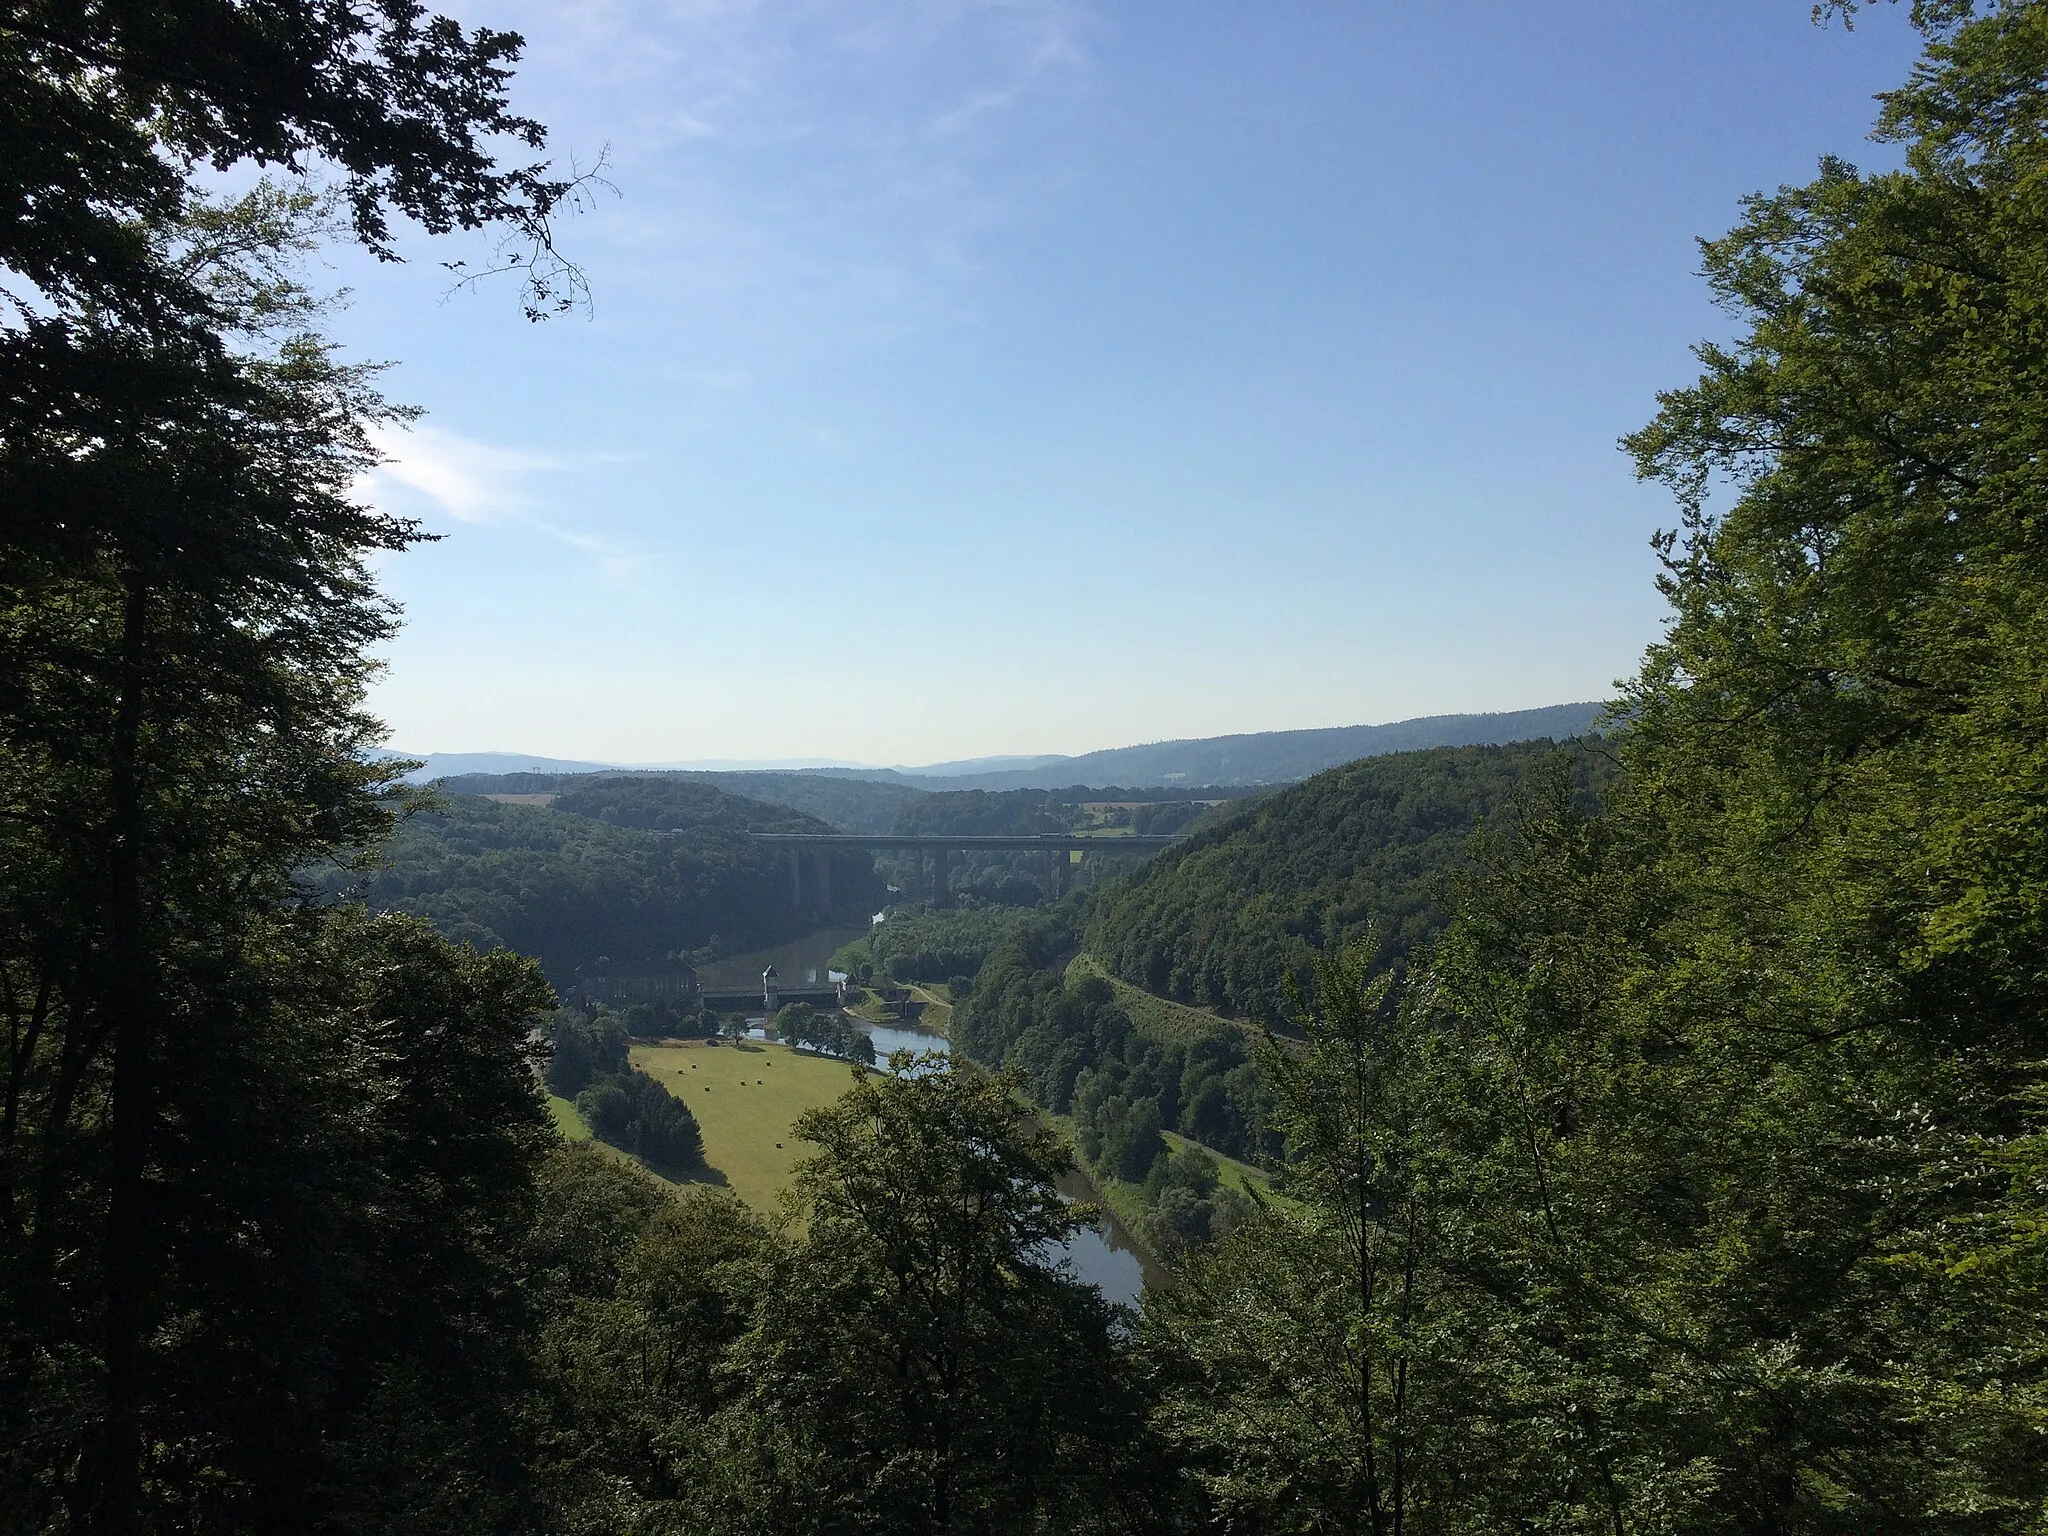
746	1097
1159	1017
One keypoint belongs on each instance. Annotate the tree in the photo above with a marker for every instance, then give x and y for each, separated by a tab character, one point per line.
1728	1088
1308	1382
1837	769
631	1349
107	104
834	1033
1131	1142
185	670
798	1024
583	1046
194	1050
920	1360
185	614
632	1111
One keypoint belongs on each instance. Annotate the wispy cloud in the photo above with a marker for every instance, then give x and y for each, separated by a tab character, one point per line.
429	470
470	481
797	175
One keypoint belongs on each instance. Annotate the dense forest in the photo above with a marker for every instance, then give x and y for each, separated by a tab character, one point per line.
937	945
1229	918
645	875
1688	1180
843	805
1011	813
623	1106
1079	1051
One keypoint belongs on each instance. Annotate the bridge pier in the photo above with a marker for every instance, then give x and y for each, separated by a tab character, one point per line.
820	872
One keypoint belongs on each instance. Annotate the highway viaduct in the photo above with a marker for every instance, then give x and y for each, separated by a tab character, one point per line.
809	852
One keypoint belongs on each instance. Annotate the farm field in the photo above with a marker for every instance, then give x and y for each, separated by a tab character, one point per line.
745	1098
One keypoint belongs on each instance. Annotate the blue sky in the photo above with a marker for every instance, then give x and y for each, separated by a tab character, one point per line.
1033	376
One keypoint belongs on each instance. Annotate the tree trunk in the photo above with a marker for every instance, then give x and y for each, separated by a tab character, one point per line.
127	1000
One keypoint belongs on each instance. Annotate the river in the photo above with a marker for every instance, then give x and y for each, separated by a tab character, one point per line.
1105	1255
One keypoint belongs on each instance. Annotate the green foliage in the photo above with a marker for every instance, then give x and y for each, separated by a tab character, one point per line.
663	803
920	1363
844	804
635	1113
1187	1207
1234	915
1694	1188
985	813
1330	1365
571	890
1066	1037
640	1293
830	1032
1166	818
932	946
1002	879
1078	1050
259	1162
662	1019
109	107
582	1046
906	1356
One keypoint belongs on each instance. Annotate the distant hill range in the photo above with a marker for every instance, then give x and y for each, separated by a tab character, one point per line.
1259	757
1264	757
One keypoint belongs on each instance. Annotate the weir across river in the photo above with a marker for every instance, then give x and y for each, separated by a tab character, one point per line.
810	854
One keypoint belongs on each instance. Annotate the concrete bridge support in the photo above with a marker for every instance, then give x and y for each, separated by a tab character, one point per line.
820	882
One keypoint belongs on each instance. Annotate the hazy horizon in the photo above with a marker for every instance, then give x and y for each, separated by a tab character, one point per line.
940	768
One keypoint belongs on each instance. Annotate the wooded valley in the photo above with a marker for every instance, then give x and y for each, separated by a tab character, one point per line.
1641	1132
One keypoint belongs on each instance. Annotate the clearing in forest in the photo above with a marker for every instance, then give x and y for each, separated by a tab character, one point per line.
745	1098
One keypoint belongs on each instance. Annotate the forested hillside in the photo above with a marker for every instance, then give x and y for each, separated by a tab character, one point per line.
1680	1170
1006	813
1260	757
569	889
657	803
932	946
843	804
1224	919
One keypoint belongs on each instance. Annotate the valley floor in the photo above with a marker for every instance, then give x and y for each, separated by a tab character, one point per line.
746	1097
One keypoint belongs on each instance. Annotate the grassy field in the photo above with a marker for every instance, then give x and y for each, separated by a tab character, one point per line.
874	1010
937	998
1242	1177
567	1121
745	1098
